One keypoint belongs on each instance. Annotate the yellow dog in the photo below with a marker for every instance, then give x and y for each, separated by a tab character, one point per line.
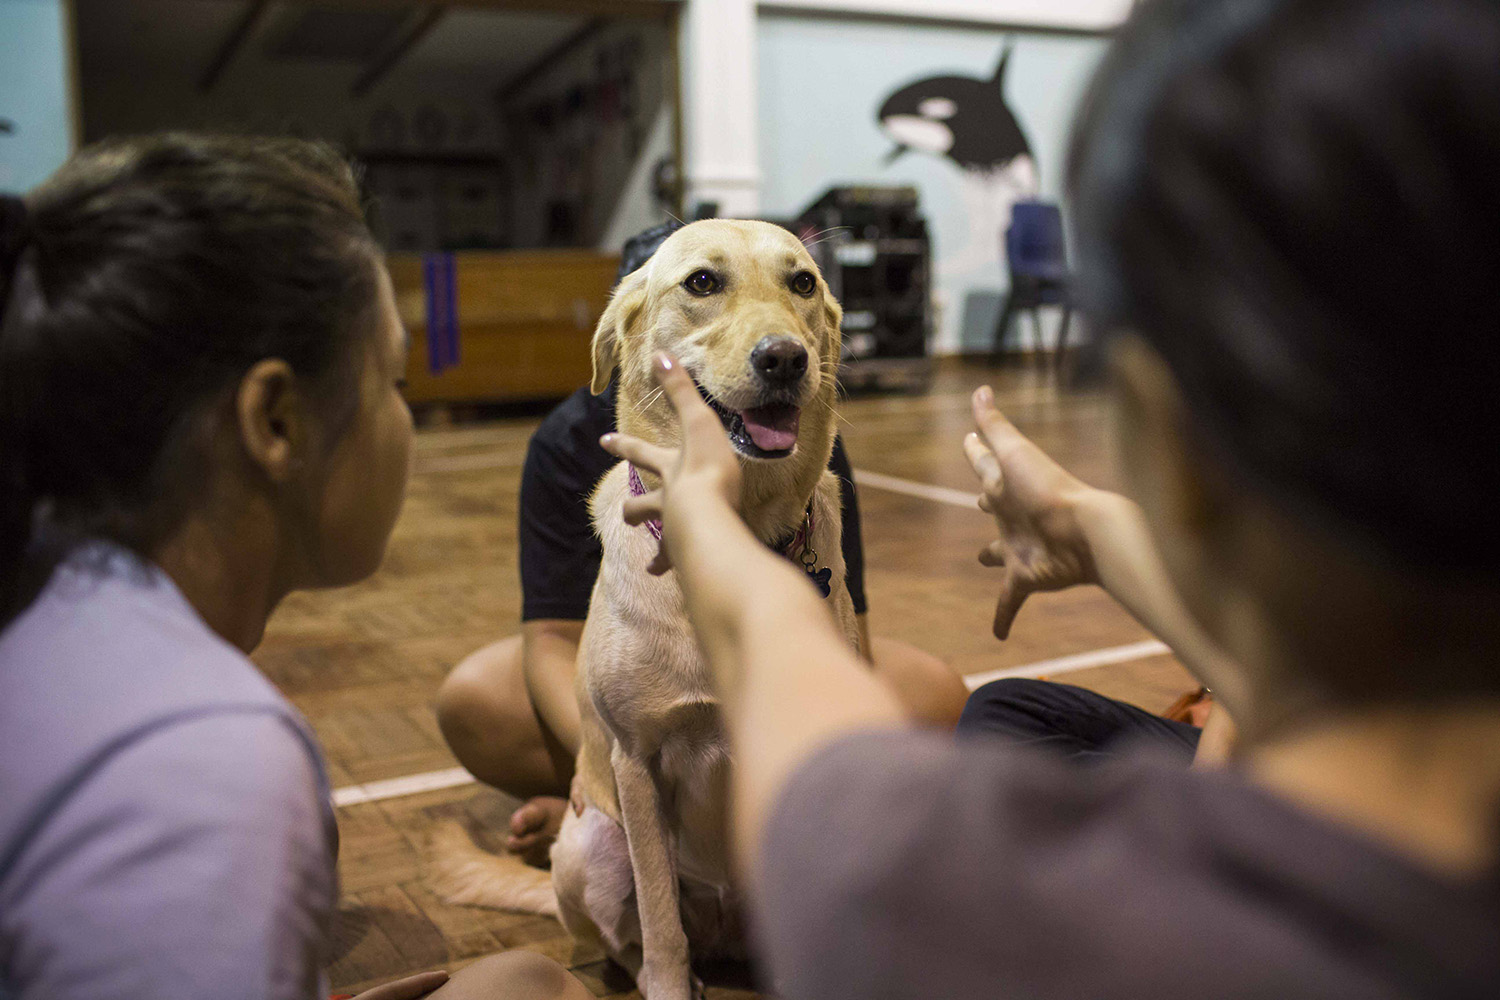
641	865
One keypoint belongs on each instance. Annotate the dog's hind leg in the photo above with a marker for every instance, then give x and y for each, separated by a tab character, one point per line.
595	887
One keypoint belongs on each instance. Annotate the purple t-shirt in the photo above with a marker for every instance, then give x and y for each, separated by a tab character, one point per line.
165	825
905	866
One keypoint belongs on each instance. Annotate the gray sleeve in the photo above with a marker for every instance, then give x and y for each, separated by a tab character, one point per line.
193	862
901	865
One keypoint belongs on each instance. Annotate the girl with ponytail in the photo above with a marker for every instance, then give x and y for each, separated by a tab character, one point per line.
200	362
15	496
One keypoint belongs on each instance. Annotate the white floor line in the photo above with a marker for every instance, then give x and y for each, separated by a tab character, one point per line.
1078	661
392	788
453	777
926	491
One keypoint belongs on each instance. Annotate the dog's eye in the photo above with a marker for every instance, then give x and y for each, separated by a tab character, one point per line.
702	283
803	283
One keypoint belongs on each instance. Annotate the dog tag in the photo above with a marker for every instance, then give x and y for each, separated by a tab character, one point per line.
820	580
819	577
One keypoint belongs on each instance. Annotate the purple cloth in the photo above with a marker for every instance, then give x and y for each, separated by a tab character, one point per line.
903	865
165	823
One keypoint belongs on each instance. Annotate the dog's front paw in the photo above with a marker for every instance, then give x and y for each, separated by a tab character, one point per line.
669	982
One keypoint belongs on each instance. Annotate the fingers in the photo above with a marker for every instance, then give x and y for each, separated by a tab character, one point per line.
646	507
999	432
682	392
986	466
639	510
641	454
661	562
993	554
1007	606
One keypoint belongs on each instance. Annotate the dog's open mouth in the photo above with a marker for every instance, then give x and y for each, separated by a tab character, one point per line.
759	431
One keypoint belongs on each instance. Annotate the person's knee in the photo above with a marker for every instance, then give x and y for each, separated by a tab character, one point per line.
929	689
480	702
1005	705
473	689
486	717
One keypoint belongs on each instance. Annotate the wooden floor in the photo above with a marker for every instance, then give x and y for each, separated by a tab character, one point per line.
364	663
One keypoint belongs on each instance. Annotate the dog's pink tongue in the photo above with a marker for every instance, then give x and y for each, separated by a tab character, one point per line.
772	428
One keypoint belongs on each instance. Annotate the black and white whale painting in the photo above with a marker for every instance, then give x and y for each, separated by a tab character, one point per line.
967	121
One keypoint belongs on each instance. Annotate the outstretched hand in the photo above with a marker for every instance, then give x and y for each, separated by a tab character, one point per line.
703	470
1034	501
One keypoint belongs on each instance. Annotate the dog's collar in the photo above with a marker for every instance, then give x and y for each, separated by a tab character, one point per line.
797	546
638	488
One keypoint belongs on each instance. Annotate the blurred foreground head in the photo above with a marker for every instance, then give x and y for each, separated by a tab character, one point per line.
1290	212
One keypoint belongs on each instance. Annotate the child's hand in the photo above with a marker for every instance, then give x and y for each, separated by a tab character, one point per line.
1034	502
703	471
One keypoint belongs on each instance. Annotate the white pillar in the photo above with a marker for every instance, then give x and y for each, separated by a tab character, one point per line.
719	125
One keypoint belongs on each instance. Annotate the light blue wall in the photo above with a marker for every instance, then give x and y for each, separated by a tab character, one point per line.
820	85
33	92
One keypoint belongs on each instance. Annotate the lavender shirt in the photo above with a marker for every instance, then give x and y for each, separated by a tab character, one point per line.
165	826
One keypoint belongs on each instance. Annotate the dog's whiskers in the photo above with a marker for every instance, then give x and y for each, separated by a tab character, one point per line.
824	234
832	410
648	400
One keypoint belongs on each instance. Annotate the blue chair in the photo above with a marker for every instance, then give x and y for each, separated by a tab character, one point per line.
1038	261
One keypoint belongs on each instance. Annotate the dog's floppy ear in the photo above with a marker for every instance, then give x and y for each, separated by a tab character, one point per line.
624	310
833	315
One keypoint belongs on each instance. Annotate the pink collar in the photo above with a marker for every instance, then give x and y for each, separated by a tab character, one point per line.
638	489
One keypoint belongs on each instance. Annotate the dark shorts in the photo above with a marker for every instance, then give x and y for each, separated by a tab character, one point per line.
1071	721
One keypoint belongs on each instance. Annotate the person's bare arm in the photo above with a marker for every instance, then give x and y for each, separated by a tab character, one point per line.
549	662
1130	568
1055	531
787	679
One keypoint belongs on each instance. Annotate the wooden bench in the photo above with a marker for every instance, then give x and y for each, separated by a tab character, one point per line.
524	323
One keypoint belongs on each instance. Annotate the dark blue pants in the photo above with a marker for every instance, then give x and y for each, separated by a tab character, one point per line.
1071	721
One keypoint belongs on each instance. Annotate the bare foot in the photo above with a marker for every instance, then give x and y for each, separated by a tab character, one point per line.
534	826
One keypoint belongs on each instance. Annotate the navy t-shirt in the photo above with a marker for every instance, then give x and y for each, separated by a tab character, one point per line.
559	554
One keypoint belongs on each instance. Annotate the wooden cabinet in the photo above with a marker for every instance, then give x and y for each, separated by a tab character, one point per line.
522	322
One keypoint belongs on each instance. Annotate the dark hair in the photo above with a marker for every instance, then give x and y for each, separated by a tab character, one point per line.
144	279
1297	205
639	248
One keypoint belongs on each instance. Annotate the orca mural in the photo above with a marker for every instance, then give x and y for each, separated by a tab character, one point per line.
968	122
964	119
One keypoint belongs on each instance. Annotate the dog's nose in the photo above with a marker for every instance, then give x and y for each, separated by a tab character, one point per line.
779	359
